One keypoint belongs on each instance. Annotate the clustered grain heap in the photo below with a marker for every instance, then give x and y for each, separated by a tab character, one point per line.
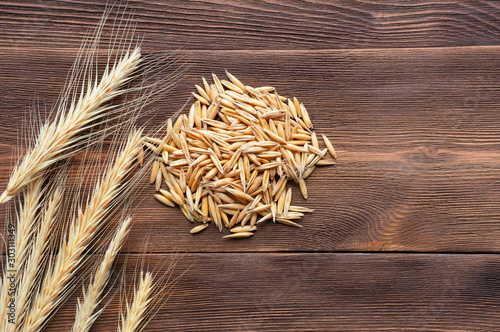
230	159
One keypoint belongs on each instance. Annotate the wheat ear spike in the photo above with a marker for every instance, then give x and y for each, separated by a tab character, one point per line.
82	230
86	313
25	220
57	140
37	260
137	309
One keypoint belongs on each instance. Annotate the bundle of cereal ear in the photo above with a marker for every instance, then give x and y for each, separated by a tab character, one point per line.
229	161
58	237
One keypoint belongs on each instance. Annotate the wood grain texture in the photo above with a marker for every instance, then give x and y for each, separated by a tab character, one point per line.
409	93
417	132
323	292
273	24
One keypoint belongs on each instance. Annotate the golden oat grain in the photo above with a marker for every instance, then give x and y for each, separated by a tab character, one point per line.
199	228
329	146
164	200
239	235
154	171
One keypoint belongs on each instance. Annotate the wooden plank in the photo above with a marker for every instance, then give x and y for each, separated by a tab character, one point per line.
323	292
281	24
417	132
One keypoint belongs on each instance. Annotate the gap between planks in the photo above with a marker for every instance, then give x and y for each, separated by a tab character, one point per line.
254	51
308	252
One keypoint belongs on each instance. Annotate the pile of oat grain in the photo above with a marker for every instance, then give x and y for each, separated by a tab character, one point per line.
229	161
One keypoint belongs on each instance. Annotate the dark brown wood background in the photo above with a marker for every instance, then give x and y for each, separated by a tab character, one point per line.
406	230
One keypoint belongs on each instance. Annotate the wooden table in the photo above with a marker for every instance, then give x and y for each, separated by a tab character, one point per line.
405	234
